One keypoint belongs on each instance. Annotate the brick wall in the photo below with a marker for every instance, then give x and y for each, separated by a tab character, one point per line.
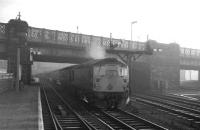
164	68
141	77
165	65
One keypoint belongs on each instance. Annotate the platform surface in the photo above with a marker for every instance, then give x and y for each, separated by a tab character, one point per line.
19	110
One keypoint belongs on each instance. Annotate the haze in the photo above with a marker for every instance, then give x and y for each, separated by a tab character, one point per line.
166	21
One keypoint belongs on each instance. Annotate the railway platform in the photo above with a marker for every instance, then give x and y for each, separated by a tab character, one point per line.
20	110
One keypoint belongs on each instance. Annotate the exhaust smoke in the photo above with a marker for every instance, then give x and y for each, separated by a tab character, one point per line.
96	51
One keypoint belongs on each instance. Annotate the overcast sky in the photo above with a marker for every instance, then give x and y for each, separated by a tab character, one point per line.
165	21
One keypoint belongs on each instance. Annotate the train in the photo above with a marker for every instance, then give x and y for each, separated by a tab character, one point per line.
102	82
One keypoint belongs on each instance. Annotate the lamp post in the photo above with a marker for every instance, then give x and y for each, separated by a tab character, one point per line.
129	62
131	28
77	29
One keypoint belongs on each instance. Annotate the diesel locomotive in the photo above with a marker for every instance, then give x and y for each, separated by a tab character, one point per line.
101	82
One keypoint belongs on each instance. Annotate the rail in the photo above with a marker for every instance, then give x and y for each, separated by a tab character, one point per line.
133	120
185	102
60	108
186	114
102	119
54	122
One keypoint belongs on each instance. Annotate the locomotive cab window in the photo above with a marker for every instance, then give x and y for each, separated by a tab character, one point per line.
123	71
99	70
111	73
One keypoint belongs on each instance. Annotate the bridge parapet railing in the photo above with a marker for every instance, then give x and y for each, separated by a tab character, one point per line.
46	36
79	40
190	53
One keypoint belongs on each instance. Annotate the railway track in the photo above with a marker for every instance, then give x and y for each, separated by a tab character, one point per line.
185	113
123	120
48	119
178	104
177	100
126	120
94	121
114	123
134	121
91	120
64	116
98	119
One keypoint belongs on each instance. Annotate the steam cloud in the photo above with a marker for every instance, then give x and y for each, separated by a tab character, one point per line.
97	52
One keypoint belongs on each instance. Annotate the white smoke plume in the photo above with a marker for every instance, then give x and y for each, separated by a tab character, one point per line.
97	52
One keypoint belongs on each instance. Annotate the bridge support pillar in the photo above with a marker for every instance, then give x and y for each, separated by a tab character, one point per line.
25	65
18	53
130	63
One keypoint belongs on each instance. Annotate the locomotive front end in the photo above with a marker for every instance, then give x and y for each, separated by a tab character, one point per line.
110	82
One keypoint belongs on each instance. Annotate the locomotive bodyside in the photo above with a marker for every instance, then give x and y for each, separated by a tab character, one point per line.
82	78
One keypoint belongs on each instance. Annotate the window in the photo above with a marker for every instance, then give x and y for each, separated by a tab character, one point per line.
99	70
111	73
189	75
123	71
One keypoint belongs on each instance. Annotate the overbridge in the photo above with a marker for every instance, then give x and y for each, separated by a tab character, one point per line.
38	44
58	46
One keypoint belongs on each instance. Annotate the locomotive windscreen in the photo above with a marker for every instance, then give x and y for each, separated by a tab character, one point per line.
111	69
123	71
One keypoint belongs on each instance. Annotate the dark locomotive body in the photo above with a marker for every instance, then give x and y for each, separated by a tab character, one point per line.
101	82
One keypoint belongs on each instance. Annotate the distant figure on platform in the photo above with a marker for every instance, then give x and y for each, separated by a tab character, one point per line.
21	85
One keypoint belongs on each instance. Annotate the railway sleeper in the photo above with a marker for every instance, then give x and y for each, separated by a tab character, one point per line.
136	123
176	120
196	124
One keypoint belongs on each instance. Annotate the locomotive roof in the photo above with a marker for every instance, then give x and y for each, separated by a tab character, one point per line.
98	62
103	61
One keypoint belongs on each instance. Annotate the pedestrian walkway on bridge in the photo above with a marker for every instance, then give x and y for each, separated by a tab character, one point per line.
19	110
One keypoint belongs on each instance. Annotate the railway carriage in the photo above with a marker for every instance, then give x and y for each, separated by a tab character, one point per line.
101	82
